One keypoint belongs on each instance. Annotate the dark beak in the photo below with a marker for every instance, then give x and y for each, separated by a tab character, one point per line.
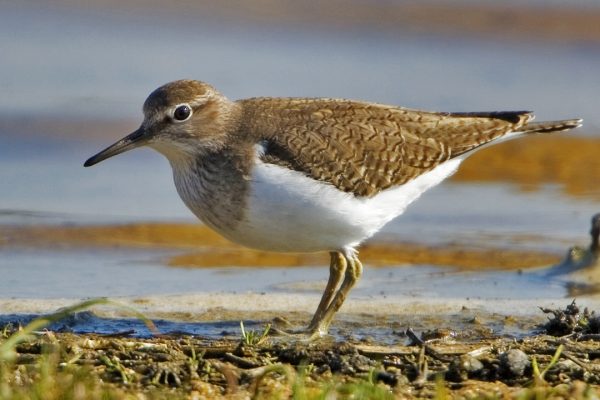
129	142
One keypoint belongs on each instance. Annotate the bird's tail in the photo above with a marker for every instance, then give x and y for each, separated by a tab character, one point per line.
550	126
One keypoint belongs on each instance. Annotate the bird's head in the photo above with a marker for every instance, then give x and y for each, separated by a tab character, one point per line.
180	118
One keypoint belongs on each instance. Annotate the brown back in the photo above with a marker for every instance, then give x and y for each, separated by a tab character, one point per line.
364	148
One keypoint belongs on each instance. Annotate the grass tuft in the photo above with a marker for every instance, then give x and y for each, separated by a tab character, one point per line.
254	338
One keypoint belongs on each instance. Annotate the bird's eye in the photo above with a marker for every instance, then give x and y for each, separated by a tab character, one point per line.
182	112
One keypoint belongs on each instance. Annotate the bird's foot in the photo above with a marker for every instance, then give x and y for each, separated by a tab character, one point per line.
282	327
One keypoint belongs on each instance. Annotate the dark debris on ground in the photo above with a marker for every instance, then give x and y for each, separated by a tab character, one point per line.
188	362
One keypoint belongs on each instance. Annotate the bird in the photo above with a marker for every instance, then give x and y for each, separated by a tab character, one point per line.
309	174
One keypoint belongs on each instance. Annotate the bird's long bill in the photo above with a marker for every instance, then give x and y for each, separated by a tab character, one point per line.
131	141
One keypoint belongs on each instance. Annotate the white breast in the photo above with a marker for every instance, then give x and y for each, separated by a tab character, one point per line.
288	211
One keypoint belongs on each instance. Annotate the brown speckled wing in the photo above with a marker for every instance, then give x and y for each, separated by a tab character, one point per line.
364	148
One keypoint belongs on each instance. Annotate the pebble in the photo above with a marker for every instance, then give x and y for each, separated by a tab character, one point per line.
515	362
464	367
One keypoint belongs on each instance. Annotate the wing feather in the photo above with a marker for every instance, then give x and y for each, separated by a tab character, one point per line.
364	148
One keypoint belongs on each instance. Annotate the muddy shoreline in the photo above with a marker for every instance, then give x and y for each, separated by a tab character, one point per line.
422	365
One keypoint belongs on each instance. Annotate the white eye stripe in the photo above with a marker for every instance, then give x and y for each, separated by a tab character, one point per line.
198	100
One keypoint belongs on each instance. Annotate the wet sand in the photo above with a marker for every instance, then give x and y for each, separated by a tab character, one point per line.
211	314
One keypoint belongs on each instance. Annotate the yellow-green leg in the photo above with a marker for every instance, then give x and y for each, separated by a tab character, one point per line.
337	267
321	322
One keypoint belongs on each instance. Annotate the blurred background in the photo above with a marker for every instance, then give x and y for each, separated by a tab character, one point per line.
74	75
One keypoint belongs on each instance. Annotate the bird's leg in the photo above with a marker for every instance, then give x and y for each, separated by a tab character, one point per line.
337	267
353	273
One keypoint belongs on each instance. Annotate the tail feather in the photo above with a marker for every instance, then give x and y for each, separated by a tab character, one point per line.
551	126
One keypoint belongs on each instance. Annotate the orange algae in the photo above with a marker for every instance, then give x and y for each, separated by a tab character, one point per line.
205	248
572	162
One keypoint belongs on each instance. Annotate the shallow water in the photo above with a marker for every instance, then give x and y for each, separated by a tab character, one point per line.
101	273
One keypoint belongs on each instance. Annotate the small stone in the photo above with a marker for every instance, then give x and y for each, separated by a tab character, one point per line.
386	377
515	362
463	368
438	334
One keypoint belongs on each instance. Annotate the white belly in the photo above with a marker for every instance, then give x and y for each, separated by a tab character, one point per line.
290	212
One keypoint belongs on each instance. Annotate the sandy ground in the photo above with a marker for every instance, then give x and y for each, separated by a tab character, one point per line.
203	305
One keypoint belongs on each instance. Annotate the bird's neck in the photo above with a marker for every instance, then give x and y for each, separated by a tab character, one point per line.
213	185
178	153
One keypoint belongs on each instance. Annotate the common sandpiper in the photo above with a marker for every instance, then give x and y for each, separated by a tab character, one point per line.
309	174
